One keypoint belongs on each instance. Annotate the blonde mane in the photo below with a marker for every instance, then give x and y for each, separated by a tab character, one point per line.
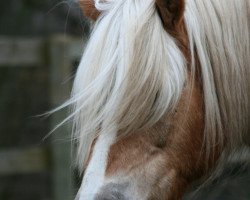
132	72
219	32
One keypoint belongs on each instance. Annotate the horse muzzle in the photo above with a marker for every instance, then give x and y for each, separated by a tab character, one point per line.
112	191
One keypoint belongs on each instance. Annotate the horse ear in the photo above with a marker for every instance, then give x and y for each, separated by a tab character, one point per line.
171	12
89	9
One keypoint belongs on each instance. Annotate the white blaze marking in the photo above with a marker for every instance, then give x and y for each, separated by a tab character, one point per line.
94	176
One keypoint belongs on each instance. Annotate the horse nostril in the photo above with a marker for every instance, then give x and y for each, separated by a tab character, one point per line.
111	192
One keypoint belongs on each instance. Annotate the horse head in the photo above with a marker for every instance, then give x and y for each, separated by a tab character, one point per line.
139	109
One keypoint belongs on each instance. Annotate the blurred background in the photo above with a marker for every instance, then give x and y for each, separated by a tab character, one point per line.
40	46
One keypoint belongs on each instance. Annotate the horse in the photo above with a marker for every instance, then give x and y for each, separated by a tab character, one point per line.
161	97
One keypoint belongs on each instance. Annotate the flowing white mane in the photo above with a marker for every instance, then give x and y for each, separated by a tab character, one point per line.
219	32
132	72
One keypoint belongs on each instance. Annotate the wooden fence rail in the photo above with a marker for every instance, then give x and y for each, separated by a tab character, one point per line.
22	161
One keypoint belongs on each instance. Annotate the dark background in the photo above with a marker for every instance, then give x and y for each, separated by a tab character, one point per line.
28	169
41	18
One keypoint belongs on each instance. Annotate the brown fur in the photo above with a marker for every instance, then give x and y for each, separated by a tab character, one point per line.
89	9
171	12
177	146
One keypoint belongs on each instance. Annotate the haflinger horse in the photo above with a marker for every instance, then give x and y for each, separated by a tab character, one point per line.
161	98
